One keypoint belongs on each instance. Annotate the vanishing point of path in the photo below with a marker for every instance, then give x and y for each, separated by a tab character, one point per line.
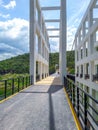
40	107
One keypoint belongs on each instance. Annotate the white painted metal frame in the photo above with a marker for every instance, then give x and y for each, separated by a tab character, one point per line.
37	27
40	28
86	52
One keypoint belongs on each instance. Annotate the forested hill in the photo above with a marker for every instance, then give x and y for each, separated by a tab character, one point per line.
54	59
20	64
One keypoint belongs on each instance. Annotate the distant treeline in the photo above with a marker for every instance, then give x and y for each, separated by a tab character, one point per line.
54	59
20	63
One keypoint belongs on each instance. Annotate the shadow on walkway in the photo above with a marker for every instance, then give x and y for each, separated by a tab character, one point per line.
53	88
39	107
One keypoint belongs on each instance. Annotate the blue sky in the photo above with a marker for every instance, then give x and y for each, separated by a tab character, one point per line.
14	24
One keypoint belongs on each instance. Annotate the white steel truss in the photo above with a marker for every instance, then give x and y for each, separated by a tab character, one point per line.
86	55
38	26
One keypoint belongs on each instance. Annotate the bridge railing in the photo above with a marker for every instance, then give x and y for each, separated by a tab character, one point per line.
11	86
85	106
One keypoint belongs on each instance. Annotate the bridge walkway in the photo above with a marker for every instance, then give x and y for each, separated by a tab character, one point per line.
42	106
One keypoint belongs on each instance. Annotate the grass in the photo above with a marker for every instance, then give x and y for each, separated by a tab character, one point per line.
12	83
10	76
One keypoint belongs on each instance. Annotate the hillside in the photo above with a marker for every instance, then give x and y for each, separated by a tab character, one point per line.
71	62
54	59
20	64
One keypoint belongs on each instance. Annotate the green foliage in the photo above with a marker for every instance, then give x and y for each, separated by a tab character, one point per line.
10	76
52	69
71	62
53	60
18	64
14	83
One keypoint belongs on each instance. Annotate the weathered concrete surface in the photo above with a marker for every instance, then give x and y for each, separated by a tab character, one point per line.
40	107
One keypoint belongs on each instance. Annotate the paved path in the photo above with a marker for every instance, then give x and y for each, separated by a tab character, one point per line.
40	107
51	80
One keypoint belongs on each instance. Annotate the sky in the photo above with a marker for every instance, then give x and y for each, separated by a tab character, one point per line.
14	24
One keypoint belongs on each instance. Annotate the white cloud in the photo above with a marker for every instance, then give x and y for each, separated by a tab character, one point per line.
71	30
10	5
6	56
7	51
5	15
74	22
54	42
14	35
79	11
7	48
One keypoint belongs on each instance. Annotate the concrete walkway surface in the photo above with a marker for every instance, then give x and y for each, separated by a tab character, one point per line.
40	107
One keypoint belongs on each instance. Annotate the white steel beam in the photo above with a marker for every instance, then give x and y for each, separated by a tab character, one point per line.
54	36
53	29
63	41
96	6
50	8
95	19
52	20
32	40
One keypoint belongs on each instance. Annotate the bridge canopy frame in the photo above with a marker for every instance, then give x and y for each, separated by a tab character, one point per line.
38	25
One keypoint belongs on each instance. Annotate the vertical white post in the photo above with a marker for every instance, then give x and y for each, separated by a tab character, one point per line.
40	45
40	69
44	69
32	40
63	40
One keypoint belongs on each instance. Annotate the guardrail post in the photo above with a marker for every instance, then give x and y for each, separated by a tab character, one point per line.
73	95
85	110
31	80
77	101
26	81
67	85
23	83
70	90
18	84
5	88
64	81
12	86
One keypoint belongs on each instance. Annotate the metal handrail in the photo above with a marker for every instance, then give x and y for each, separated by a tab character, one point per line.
13	85
75	98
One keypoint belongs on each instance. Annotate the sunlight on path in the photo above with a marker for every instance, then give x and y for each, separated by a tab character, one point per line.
51	80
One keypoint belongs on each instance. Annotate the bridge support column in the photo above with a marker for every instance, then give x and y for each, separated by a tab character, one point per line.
40	70
63	41
44	69
47	71
32	40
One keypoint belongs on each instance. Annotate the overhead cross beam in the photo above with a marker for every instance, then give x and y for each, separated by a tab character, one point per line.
56	36
96	6
53	29
51	8
43	45
52	20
